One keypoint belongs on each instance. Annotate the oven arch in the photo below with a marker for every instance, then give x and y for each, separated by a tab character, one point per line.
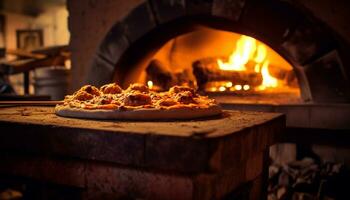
302	40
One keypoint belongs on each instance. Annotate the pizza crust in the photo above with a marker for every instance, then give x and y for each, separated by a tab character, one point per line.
139	114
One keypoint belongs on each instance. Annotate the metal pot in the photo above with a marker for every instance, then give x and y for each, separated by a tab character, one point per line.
53	81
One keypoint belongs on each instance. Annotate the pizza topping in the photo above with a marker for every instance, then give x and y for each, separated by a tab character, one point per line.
137	99
138	87
185	97
82	95
108	106
91	90
68	98
178	89
136	96
88	106
167	102
106	101
73	103
111	88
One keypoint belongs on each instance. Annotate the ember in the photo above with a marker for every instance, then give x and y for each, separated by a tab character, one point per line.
150	84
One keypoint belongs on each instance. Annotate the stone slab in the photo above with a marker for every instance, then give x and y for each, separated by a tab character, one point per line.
300	115
207	144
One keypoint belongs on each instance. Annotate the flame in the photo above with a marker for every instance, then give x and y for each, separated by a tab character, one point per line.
228	84
260	57
248	49
245	49
261	54
246	87
222	88
213	89
238	87
150	84
268	80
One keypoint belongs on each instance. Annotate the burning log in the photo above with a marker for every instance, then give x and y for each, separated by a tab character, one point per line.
161	76
287	75
207	70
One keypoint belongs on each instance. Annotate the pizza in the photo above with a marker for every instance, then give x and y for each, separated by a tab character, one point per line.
137	102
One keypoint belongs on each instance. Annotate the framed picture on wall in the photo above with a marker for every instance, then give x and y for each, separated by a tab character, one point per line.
29	40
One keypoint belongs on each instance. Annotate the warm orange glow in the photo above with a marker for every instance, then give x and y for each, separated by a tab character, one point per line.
232	64
260	54
248	49
268	80
238	87
150	84
245	49
213	89
228	84
222	88
246	87
260	57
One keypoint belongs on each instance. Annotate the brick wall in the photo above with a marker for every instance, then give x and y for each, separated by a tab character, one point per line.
89	21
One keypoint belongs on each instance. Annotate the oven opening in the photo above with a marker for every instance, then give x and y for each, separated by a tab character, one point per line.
223	64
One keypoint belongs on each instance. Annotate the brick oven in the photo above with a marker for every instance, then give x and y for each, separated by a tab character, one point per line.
132	40
118	41
120	44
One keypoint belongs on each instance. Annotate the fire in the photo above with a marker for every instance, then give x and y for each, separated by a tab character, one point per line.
268	80
246	87
248	50
245	48
228	84
150	84
238	87
222	88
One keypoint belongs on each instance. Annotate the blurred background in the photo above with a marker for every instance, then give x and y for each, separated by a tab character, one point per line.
33	39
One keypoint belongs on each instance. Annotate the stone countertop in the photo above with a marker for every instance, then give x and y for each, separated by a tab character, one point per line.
185	146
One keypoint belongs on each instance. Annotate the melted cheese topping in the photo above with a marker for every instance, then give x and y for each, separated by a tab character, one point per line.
136	96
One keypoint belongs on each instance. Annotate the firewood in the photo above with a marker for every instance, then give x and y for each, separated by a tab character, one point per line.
159	74
164	78
207	70
286	75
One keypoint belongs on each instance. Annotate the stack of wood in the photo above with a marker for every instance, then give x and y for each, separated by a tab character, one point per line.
207	70
308	179
288	76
